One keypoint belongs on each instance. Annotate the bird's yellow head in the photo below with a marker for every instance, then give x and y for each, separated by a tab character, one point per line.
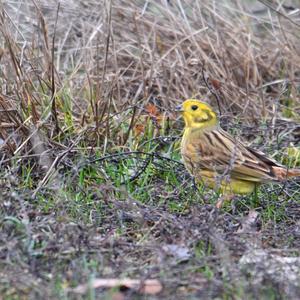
198	114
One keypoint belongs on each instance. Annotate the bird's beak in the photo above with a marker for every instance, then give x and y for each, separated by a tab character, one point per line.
179	108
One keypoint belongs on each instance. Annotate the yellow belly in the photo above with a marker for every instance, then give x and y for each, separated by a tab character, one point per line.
230	186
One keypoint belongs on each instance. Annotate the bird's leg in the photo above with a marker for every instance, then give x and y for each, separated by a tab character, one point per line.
224	198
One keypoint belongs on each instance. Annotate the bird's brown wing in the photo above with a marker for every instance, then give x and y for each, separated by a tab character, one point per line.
219	151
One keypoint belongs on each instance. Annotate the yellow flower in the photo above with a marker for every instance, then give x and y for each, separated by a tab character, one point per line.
218	160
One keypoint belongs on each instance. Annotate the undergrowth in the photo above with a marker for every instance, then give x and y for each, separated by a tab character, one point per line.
92	184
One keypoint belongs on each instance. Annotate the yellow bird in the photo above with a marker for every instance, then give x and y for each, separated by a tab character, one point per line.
218	160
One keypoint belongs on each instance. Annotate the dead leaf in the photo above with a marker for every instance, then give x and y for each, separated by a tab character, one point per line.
250	222
152	110
215	83
180	252
263	265
148	286
139	129
118	296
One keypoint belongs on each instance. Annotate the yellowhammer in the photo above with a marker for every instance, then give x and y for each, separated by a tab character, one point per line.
218	160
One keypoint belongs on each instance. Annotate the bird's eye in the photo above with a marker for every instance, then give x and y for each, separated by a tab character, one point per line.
194	107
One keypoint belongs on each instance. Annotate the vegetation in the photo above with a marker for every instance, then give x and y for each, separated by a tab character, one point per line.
92	186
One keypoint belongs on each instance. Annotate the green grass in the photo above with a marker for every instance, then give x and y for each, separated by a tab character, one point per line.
96	196
117	196
150	180
91	193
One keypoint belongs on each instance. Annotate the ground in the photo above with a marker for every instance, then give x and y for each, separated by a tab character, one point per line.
92	185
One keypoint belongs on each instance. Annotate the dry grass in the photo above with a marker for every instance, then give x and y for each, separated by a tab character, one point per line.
109	57
77	78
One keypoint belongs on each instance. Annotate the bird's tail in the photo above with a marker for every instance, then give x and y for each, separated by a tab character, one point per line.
293	172
283	173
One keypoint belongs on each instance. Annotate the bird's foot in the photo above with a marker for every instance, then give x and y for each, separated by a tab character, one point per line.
222	199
